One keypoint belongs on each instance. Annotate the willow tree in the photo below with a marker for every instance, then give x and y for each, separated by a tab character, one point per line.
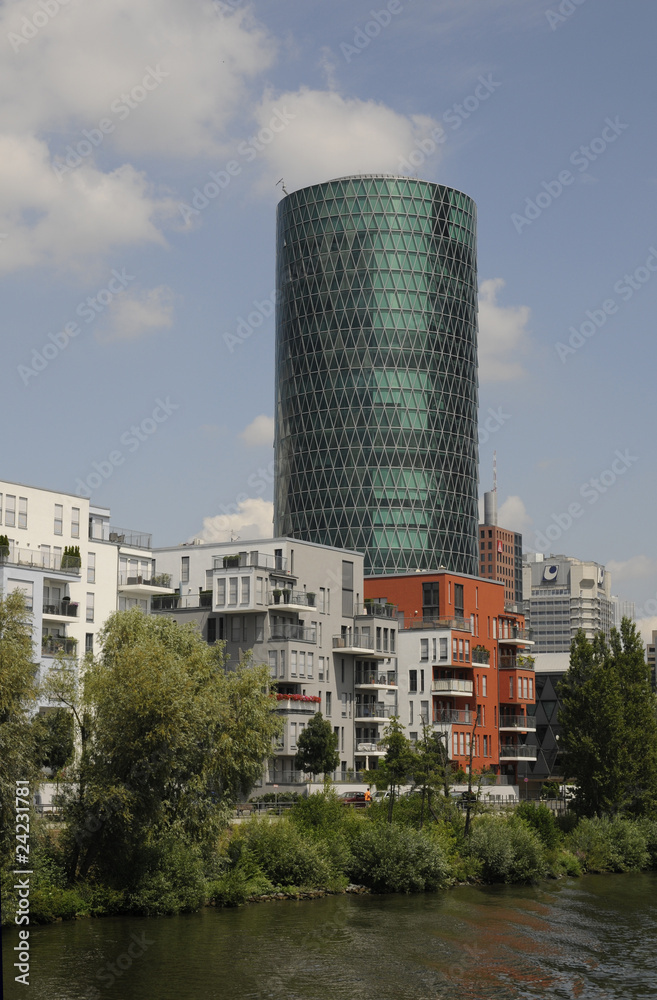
608	718
169	739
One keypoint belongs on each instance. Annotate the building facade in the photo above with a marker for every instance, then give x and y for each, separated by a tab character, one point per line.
376	372
500	552
562	595
300	609
464	667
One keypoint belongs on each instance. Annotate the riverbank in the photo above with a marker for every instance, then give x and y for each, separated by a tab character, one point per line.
322	847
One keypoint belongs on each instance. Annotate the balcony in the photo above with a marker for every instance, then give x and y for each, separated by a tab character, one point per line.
51	645
130	539
286	632
297	704
61	609
292	600
372	713
357	642
371	680
516	662
525	723
376	609
257	560
141	586
511	751
481	657
454	716
459	624
517	637
375	749
451	686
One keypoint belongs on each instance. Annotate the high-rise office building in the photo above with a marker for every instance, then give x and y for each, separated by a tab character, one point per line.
500	552
562	595
376	369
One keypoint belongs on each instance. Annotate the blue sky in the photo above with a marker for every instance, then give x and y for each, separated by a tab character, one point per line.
138	327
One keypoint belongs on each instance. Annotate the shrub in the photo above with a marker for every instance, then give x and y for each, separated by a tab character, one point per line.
509	851
649	830
392	858
237	883
318	812
285	855
540	818
616	845
172	879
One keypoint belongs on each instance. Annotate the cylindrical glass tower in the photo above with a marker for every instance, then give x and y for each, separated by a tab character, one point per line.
376	372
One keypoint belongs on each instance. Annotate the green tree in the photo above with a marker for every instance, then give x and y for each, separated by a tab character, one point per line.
167	740
17	697
431	766
317	747
53	732
608	718
400	761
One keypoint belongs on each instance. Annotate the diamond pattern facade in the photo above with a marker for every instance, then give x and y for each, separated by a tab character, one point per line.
376	364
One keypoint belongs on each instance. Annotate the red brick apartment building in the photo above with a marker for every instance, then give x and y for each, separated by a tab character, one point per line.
462	664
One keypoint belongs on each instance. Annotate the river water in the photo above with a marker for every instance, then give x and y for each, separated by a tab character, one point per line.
594	937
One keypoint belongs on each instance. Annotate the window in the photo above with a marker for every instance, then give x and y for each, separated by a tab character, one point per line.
328	703
511	687
246	590
484	684
455	745
293	735
430	608
424	649
410	713
347	589
211	633
462	744
344	704
89	642
90	607
259	590
424	711
281	671
525	689
461	650
392	640
302	664
309	664
221	592
184	569
322	600
458	600
320	668
385	640
10	512
412	681
378	639
467	650
293	663
75	522
232	589
421	681
342	739
273	662
443	649
91	567
22	512
531	689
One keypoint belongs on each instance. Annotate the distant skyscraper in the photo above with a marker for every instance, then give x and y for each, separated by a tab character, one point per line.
500	552
562	595
376	369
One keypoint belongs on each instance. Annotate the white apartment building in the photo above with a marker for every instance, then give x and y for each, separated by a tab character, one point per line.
299	607
70	595
563	594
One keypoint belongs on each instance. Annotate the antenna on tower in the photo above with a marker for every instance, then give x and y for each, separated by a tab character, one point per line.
282	183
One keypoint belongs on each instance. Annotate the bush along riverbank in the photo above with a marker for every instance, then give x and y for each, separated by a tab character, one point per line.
322	847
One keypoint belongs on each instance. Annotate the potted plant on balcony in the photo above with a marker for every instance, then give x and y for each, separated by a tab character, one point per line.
276	594
4	547
230	562
71	557
286	596
311	598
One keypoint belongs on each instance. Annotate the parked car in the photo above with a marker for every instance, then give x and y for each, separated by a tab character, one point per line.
353	799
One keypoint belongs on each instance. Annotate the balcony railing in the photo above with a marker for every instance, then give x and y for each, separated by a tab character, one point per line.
453	716
354	638
68	609
298	597
376	609
449	685
39	560
52	645
513	750
481	656
388	679
375	747
460	624
514	634
524	722
516	663
287	631
131	539
372	711
260	560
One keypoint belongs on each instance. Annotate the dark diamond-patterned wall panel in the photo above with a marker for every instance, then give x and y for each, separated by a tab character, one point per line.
376	367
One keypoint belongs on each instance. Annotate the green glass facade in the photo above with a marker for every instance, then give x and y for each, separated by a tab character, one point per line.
376	368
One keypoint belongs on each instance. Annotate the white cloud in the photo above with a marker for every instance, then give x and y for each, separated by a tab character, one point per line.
636	568
259	432
513	515
503	335
332	136
79	64
254	519
136	313
69	225
646	627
